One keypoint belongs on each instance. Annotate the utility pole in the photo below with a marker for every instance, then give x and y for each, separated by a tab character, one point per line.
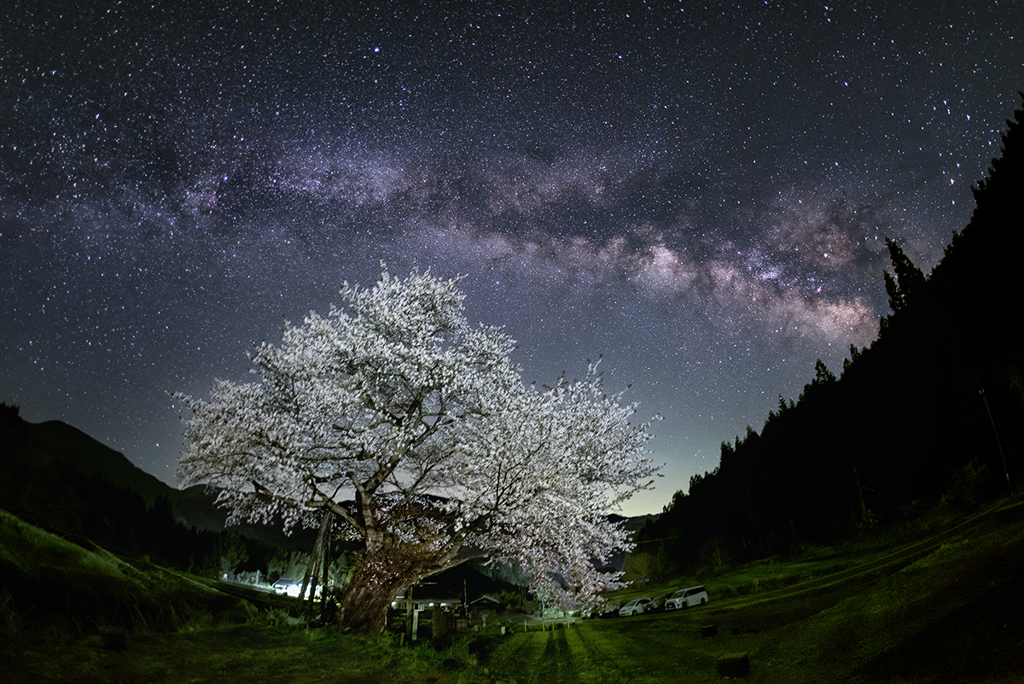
999	444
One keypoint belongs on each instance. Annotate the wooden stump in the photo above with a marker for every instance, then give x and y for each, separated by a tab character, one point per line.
734	664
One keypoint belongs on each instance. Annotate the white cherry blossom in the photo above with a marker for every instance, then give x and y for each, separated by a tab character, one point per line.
415	431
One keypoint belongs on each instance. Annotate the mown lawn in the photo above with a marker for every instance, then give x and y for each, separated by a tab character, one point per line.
629	650
245	654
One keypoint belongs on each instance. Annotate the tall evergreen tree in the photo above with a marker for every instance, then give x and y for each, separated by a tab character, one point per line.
908	280
822	374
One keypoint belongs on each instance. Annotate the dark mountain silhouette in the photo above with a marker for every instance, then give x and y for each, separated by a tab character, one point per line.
58	477
195	505
71	449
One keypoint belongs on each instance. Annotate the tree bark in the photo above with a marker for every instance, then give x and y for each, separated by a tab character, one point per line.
378	576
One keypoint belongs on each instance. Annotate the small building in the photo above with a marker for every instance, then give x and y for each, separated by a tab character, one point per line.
484	611
426	616
403	604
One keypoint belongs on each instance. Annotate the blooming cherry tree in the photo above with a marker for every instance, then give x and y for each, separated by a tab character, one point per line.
415	431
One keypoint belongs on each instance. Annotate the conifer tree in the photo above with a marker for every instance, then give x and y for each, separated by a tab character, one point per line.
908	279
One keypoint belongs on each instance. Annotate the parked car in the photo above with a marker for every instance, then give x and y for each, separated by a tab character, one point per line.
657	604
635	607
290	587
684	598
286	586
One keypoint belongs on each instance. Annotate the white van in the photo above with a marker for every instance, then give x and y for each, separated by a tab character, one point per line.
684	598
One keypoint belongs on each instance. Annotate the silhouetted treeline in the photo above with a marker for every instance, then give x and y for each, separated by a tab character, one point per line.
38	486
930	412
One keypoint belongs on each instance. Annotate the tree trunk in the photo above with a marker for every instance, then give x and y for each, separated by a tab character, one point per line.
378	576
364	607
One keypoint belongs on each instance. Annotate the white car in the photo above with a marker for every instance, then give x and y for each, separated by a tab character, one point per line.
290	587
286	586
684	598
635	607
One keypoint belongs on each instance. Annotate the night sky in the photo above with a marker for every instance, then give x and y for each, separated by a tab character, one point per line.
698	191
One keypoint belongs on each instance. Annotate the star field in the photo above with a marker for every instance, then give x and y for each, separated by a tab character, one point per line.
699	192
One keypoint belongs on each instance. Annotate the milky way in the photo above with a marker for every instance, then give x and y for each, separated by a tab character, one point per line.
699	193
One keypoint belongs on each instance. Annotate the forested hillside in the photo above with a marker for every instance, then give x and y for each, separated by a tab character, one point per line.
64	481
930	412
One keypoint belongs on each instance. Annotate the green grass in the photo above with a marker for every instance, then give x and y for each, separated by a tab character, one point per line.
79	588
240	653
947	610
75	612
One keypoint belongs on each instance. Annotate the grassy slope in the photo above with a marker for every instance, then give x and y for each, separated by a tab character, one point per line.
75	612
46	580
945	609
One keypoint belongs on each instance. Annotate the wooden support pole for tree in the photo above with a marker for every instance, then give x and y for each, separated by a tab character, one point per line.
317	561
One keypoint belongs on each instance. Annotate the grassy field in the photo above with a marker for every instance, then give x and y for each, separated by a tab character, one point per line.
946	608
243	653
943	607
